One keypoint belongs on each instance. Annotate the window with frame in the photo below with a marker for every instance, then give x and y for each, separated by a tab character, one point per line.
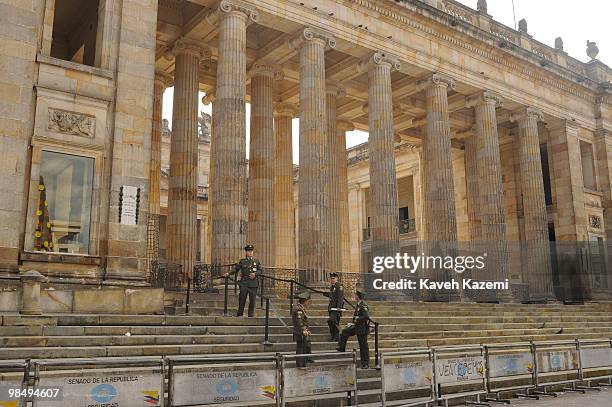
63	214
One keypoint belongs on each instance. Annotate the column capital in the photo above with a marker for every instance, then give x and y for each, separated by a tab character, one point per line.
484	97
265	68
311	34
191	47
209	98
334	88
286	109
436	79
527	113
345	125
238	7
162	79
380	58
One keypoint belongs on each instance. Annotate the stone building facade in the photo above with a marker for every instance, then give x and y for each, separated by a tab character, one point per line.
477	132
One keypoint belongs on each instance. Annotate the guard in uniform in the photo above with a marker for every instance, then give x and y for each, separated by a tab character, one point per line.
336	302
360	327
249	269
301	329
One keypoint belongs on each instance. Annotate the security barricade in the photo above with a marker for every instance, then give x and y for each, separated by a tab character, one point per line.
408	371
460	365
595	356
99	382
232	380
509	361
552	359
331	373
14	383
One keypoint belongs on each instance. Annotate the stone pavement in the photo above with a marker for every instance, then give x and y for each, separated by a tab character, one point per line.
601	398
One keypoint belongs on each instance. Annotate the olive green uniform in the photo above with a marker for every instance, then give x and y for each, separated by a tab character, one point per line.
361	328
302	342
336	300
248	286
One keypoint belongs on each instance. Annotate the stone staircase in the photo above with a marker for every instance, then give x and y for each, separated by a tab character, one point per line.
403	325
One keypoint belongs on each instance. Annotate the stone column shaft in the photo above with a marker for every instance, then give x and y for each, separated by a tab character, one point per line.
283	187
343	194
384	216
314	204
536	250
438	187
161	82
491	190
333	182
209	98
183	180
261	163
473	184
228	201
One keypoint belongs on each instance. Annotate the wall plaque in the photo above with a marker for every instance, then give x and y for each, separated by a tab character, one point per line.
129	203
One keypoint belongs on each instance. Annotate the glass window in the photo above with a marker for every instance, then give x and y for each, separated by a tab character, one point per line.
64	203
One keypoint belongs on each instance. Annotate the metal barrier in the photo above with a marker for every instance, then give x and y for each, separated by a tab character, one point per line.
100	380
550	359
460	364
14	376
513	360
220	380
321	378
405	376
593	357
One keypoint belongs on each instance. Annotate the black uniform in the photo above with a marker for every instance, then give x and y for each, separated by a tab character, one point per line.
302	342
336	300
361	328
248	287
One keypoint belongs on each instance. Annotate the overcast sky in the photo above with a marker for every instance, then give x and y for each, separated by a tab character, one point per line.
574	21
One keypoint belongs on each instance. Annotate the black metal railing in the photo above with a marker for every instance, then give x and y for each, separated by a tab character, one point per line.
407	226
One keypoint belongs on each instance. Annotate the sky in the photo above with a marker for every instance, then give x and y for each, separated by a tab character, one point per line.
575	22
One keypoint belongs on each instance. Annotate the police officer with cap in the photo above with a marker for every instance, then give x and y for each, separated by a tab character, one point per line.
360	327
301	329
334	308
249	269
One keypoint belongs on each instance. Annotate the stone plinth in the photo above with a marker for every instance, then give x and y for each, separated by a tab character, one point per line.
30	293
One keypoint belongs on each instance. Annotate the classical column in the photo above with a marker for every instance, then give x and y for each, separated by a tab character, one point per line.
343	203
438	186
162	81
283	186
261	161
491	212
228	185
536	250
314	205
209	99
334	91
383	183
473	184
439	214
183	181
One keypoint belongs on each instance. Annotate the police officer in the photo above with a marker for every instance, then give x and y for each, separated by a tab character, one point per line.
301	329
250	270
360	327
336	302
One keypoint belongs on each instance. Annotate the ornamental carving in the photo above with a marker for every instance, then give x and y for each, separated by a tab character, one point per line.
76	124
228	6
310	34
595	222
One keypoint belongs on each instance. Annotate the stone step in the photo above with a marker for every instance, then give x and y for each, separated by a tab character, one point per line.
208	338
180	349
316	320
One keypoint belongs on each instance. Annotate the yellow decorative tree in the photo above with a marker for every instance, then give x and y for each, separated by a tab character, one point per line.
42	234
